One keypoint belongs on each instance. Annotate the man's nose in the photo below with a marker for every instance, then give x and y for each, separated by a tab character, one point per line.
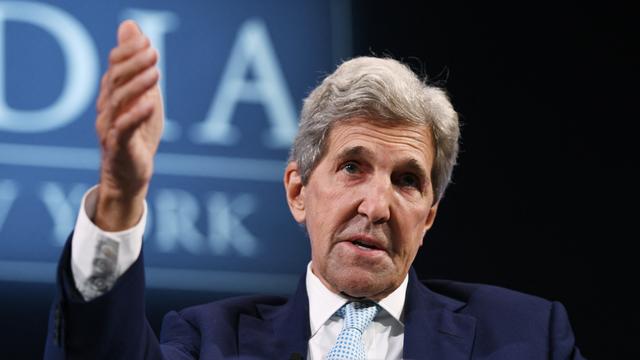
376	199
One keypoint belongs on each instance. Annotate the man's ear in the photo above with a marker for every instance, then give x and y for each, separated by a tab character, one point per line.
431	216
294	189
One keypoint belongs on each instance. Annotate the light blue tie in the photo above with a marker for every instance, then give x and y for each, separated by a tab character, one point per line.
357	316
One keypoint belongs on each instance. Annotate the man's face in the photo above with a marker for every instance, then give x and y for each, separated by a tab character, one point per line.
366	206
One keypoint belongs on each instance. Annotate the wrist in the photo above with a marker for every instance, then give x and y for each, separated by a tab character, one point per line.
117	210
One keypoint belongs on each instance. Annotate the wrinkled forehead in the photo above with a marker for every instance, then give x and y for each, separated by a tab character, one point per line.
365	137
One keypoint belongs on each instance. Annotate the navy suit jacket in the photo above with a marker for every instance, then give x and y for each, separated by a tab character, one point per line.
444	320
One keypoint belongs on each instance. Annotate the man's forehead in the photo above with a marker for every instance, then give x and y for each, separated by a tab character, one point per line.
360	137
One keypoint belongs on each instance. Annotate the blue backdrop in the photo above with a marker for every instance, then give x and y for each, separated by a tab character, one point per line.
233	76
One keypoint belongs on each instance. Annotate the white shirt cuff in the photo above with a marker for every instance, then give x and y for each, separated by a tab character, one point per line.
91	246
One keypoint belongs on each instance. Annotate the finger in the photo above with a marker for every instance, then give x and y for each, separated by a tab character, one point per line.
127	30
124	95
100	103
127	49
122	72
103	111
102	129
127	123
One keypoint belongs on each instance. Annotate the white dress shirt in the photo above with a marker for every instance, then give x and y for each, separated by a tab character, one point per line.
99	257
383	338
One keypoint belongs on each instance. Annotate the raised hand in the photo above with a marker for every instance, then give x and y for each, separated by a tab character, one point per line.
129	126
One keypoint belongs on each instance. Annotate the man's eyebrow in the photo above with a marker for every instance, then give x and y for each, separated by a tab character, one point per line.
354	152
409	164
414	166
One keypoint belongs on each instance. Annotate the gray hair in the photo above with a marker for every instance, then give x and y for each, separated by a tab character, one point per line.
381	90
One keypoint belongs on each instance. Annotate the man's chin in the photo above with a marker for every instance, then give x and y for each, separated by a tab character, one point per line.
359	284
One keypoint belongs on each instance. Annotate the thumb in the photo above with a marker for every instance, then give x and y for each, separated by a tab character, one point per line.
128	29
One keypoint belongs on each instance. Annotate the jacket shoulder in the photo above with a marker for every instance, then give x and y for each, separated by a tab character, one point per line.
483	294
212	328
231	308
517	322
498	307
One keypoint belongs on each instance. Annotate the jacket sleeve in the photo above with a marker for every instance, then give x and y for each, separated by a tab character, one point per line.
562	341
112	326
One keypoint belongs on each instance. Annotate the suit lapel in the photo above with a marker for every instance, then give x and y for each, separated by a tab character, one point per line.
433	329
277	331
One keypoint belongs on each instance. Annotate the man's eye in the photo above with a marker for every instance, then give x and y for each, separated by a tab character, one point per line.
409	180
351	167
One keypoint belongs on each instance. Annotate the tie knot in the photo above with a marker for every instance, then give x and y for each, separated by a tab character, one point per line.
358	315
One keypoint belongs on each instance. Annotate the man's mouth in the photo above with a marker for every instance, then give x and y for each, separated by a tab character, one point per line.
364	246
367	243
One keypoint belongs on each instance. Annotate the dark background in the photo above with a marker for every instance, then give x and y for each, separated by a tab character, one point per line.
541	200
542	197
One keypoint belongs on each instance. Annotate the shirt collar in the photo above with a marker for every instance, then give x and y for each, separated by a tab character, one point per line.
323	303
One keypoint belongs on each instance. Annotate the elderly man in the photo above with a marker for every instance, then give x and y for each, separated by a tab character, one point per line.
372	158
